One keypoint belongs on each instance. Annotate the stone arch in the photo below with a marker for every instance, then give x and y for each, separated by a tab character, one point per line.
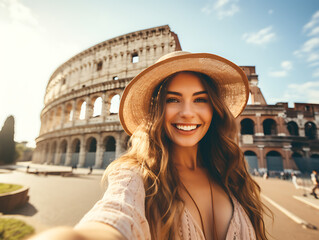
44	123
293	128
310	130
91	146
247	126
58	116
83	111
301	162
46	153
274	161
114	101
270	127
76	145
80	108
53	152
109	145
63	149
252	160
115	104
51	120
97	106
68	112
314	162
75	149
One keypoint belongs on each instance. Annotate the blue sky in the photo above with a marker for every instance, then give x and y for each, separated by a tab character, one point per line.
280	38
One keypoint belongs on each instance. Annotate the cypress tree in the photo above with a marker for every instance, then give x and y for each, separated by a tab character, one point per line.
7	144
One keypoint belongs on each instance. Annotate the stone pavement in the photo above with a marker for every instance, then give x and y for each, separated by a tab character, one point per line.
54	200
57	200
293	218
22	167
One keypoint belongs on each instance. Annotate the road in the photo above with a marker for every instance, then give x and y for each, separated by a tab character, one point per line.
56	200
283	227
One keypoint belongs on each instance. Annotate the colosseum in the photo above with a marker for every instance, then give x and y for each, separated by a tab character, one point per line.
80	124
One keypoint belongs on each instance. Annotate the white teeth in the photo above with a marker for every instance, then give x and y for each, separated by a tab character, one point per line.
186	127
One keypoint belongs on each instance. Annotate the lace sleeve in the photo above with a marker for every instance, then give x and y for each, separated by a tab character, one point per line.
123	205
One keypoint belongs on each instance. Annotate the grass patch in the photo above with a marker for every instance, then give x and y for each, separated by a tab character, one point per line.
14	229
5	187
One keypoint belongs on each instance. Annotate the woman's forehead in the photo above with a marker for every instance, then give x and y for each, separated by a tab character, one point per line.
185	81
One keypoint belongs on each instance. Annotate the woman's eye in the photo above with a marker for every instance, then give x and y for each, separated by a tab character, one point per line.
203	100
171	100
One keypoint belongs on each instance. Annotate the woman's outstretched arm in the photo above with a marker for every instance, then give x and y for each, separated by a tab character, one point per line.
87	231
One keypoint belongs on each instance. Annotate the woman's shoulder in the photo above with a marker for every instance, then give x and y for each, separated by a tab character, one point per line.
123	170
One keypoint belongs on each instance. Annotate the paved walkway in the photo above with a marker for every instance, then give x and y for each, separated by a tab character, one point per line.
22	167
293	218
56	200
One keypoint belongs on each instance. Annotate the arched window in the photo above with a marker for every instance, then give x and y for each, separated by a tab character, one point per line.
82	112
247	126
63	146
68	112
293	128
99	66
135	58
63	149
252	160
109	152
310	130
91	145
58	116
71	115
110	144
249	99
270	127
274	161
115	104
97	109
76	146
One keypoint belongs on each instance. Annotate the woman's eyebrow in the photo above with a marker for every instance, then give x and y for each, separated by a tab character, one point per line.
174	93
179	94
198	93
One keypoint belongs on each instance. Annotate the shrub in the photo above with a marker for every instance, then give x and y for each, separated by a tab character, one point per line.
14	229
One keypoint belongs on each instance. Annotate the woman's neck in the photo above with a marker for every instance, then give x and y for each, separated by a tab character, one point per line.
185	158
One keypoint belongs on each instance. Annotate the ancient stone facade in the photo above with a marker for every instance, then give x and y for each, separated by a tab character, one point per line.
79	122
275	137
80	125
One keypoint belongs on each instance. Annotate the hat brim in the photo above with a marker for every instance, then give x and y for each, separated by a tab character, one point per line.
137	95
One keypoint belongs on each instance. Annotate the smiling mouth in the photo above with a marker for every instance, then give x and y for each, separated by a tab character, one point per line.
188	127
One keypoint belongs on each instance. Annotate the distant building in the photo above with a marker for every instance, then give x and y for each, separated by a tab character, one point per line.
276	137
80	125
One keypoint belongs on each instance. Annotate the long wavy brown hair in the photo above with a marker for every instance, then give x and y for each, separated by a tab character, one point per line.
219	154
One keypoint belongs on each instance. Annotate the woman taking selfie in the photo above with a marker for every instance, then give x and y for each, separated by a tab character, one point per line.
184	175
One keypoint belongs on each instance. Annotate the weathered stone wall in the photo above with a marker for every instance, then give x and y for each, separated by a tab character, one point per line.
98	74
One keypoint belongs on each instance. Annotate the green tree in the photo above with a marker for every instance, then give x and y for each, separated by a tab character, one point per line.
7	144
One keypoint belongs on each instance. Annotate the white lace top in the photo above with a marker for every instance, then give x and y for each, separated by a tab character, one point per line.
123	207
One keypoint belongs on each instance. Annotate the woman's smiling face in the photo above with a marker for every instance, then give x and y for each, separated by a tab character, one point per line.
188	111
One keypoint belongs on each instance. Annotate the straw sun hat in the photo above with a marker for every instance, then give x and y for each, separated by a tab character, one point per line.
137	95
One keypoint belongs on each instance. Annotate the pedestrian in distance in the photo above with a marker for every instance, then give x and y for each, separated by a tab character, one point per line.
315	180
184	175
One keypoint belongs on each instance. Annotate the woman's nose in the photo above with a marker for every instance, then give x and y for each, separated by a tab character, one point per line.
187	110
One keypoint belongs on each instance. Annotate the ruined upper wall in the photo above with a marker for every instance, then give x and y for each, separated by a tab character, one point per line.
117	58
